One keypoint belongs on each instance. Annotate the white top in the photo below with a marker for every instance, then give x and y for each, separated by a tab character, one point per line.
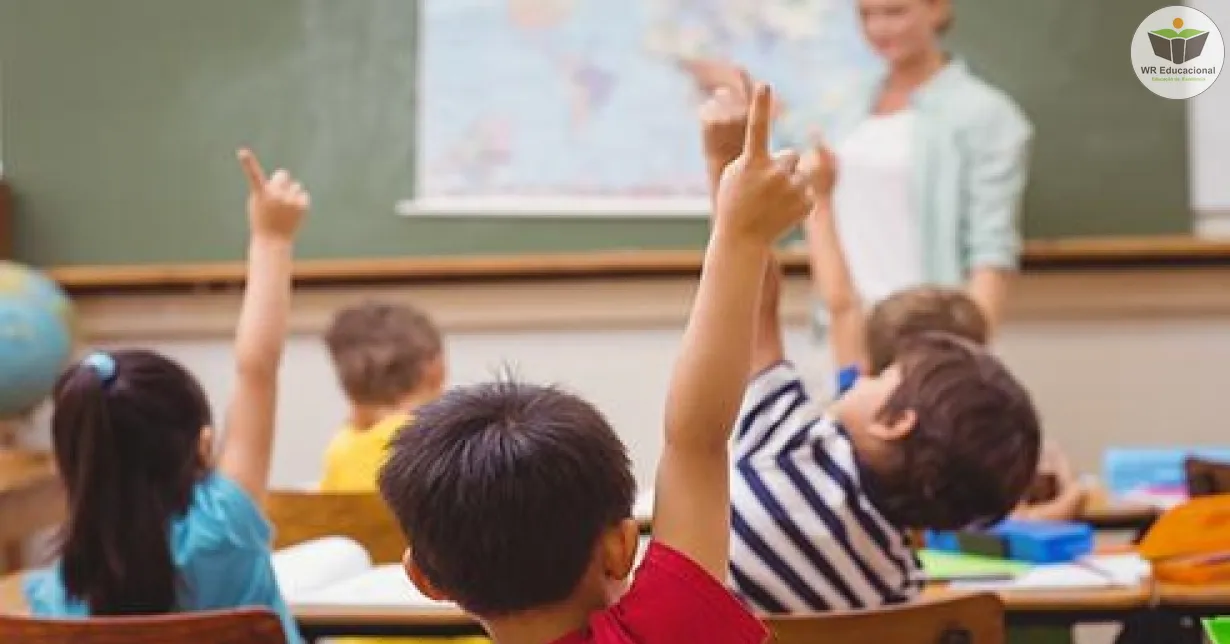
873	204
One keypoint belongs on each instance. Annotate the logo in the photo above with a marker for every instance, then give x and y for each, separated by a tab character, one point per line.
1177	52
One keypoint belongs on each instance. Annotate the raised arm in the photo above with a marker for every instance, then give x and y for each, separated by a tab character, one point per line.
829	270
759	197
275	209
768	348
723	120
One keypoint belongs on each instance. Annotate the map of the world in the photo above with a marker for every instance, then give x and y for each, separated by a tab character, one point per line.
590	105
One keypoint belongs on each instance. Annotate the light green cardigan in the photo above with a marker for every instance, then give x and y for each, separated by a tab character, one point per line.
970	170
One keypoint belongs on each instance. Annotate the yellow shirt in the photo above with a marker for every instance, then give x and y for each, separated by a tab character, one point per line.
354	456
353	459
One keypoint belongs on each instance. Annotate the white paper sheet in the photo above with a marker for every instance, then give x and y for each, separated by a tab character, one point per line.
1114	571
384	586
642	509
309	566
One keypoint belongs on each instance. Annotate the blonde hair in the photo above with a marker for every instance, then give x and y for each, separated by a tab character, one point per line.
381	351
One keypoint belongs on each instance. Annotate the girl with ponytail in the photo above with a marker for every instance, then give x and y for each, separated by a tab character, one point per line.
155	525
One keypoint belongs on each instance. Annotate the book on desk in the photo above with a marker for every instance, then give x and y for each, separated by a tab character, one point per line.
337	571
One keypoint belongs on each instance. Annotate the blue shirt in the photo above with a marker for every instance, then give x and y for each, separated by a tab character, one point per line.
846	378
221	551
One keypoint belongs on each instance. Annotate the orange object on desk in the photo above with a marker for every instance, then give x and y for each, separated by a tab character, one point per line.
1190	544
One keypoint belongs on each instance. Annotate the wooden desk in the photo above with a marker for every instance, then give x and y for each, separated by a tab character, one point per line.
31	499
12	600
1106	514
1195	601
1033	608
1070	607
1180	607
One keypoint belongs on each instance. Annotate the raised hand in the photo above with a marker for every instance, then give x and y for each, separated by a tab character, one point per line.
819	167
723	119
760	195
276	206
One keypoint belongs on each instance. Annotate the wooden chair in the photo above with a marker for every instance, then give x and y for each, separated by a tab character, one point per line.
1206	478
239	626
957	619
299	516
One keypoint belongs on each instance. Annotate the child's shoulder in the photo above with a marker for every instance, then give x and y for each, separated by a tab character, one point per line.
351	441
45	595
221	515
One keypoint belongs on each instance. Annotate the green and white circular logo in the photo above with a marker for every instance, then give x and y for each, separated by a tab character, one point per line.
1177	52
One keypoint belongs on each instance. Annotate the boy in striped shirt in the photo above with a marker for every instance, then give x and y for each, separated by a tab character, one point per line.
942	437
821	499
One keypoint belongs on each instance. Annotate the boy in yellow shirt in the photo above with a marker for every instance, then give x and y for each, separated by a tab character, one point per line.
389	360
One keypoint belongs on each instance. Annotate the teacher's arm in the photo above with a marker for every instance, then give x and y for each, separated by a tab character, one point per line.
998	172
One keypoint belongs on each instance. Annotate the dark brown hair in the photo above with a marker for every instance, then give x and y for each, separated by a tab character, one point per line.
126	429
974	448
918	310
380	351
503	489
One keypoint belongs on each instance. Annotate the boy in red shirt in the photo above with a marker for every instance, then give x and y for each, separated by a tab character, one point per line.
517	499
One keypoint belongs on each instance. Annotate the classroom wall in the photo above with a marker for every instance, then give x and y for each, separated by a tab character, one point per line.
1112	358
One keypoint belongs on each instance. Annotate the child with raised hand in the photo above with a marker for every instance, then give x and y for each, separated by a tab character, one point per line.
942	437
865	342
154	524
517	499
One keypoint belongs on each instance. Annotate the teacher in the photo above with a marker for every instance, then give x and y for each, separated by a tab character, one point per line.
932	162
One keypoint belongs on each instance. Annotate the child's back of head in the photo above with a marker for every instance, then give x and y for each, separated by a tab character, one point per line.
919	310
973	439
386	355
127	431
506	489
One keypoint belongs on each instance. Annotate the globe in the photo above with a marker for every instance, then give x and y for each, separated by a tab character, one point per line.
36	337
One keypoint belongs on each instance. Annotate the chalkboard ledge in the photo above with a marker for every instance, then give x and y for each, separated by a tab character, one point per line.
1039	255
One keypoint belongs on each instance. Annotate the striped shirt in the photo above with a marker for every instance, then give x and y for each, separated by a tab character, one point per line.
805	536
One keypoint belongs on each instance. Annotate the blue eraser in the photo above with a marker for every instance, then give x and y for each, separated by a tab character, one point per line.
942	541
1044	542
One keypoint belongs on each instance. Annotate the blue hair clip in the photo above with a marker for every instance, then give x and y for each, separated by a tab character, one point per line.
102	364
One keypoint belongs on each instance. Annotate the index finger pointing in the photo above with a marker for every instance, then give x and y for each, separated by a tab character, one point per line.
252	169
746	88
757	143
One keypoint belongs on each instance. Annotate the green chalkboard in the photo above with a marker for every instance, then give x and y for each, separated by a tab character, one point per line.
1110	157
120	119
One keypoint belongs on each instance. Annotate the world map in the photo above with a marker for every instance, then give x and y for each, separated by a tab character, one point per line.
590	105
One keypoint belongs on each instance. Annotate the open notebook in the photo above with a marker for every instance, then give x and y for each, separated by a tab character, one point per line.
1103	571
336	571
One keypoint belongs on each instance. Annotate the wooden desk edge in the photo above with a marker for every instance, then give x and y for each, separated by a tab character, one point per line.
1216	595
1110	252
325	615
1065	601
